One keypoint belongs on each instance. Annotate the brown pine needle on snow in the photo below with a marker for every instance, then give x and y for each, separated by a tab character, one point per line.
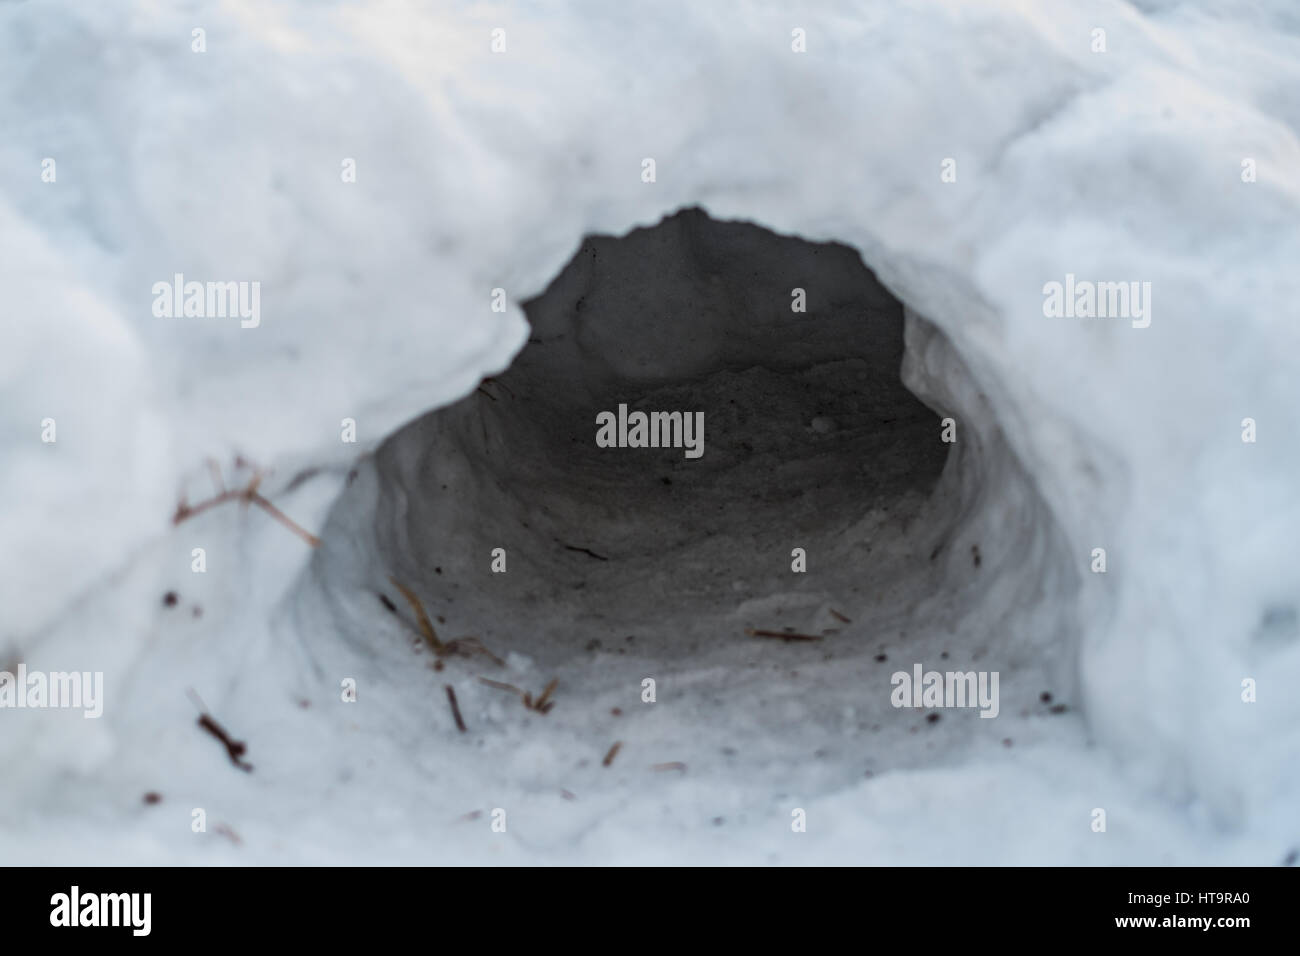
421	618
467	646
783	635
501	685
542	704
455	708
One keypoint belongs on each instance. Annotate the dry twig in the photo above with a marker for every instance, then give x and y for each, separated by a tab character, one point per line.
465	646
455	708
613	752
247	495
234	748
542	704
783	635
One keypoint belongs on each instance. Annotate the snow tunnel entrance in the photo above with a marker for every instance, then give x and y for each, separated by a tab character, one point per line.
819	506
766	370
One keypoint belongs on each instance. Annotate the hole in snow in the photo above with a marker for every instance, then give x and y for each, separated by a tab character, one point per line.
629	562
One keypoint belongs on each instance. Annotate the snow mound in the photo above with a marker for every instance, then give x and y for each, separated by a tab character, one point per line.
478	171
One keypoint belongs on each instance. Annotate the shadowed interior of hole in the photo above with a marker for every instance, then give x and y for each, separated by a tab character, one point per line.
810	442
628	563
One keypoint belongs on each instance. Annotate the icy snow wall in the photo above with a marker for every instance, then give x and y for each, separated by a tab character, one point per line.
1168	158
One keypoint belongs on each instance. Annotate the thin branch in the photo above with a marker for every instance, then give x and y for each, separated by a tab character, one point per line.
246	495
235	749
284	519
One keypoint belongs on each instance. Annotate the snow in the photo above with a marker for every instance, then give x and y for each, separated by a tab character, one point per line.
478	171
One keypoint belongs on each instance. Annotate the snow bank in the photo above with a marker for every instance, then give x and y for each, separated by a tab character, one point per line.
478	170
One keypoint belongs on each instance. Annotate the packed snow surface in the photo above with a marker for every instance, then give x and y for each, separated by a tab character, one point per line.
1170	158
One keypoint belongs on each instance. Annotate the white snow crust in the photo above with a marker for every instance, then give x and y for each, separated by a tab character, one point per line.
478	170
